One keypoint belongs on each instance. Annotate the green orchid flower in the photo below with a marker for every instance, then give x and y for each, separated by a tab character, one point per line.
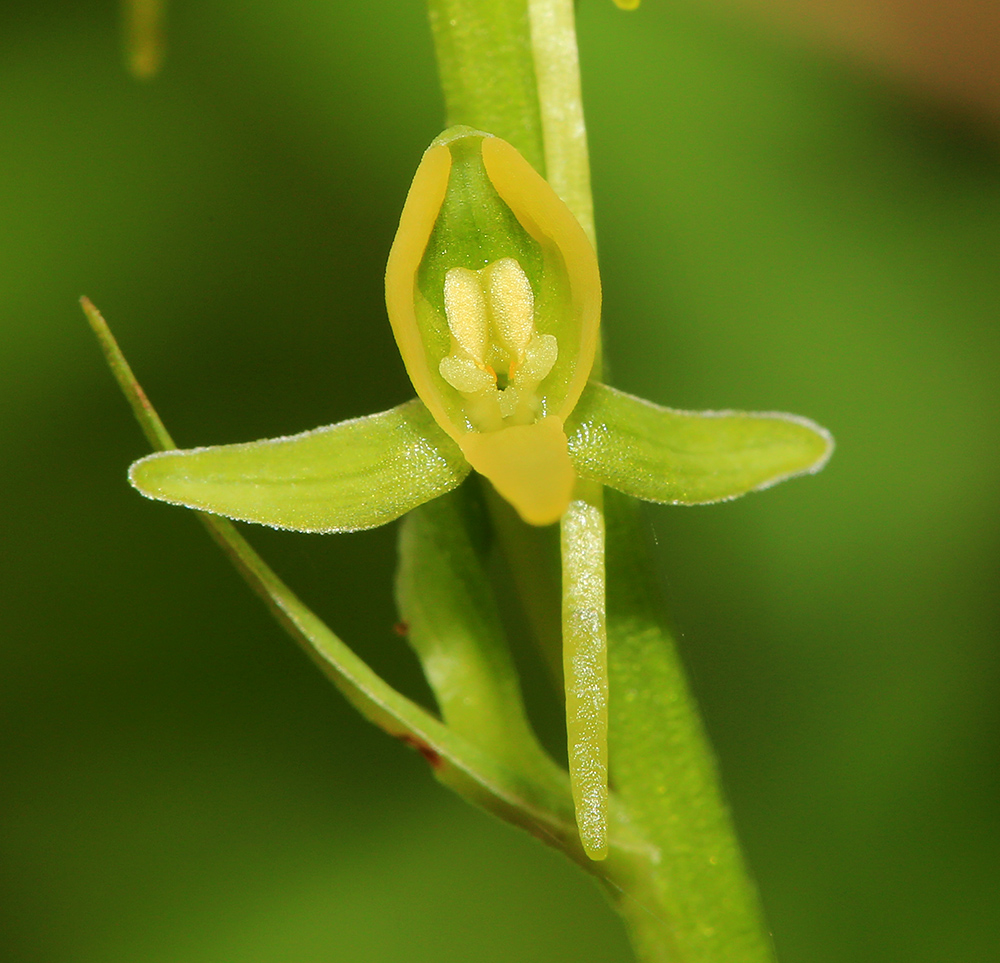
493	293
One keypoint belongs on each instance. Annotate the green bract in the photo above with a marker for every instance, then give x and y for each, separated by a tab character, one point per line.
494	297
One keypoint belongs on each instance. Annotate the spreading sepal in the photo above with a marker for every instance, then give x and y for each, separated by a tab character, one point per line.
339	478
688	457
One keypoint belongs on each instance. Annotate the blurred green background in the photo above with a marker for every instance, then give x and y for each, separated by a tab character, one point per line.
778	231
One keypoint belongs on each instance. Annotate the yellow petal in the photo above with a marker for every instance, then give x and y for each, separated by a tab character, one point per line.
528	465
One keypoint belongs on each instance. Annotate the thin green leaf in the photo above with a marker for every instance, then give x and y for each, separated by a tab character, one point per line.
688	457
357	474
154	429
456	763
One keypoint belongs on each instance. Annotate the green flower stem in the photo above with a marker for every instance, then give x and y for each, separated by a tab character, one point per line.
564	134
546	29
510	67
664	775
452	622
687	896
537	577
487	70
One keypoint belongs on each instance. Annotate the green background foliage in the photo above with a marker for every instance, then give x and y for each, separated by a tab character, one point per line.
777	231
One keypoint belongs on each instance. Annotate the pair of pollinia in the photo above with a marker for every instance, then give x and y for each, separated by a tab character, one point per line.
494	296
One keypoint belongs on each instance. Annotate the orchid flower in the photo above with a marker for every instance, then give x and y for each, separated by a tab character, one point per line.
494	297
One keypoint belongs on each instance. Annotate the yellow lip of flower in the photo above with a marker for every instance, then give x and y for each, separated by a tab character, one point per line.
513	435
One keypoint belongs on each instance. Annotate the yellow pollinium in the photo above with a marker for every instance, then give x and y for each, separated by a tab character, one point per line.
490	316
491	319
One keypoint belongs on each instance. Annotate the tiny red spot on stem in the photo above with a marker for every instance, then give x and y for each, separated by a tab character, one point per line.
431	755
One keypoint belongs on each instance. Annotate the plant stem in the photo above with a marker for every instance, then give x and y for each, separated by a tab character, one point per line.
487	70
564	134
674	869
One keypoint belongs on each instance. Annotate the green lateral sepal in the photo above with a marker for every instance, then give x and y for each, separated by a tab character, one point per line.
356	474
688	457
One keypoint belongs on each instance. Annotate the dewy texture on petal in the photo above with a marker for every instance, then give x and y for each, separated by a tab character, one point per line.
356	474
688	457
